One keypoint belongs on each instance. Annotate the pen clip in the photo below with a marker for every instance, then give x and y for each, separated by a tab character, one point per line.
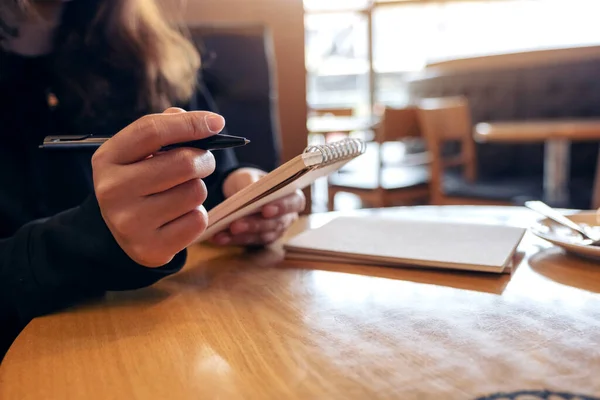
64	138
59	141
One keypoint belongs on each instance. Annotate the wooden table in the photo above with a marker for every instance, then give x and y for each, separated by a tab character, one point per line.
557	136
236	325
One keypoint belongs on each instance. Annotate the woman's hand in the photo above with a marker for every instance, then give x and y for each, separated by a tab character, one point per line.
152	201
266	226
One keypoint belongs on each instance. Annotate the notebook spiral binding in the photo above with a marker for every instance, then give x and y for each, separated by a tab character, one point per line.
338	151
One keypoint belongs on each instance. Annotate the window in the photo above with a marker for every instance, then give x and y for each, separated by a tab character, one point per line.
337	60
406	37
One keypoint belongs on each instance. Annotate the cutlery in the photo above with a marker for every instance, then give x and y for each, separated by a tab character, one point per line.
557	217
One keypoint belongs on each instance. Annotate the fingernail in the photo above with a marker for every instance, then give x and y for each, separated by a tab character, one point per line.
269	237
222	239
240	227
214	123
271	211
174	110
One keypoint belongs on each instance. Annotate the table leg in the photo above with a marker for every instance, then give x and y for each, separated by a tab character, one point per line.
556	172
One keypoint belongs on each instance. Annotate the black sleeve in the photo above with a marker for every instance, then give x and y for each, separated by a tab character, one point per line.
53	263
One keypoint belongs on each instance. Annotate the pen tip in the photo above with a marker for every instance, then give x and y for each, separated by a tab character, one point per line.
246	141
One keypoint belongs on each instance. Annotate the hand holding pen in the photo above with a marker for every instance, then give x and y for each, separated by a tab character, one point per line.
153	205
212	142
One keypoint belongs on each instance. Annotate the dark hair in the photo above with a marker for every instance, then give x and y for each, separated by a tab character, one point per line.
121	57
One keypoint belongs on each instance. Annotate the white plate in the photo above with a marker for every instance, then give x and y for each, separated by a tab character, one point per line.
567	239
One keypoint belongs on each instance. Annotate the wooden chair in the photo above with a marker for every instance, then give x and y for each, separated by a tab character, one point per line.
378	184
454	177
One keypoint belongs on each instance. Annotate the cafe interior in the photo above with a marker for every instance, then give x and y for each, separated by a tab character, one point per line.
459	102
476	102
468	109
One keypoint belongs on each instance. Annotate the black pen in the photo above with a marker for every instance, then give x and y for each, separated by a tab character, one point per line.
215	142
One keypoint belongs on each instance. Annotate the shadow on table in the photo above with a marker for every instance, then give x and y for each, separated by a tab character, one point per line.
90	323
200	271
199	274
566	269
464	280
205	272
208	275
146	297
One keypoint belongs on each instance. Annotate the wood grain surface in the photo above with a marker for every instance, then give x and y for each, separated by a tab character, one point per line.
249	325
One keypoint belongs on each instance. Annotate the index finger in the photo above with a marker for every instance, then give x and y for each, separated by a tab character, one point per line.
150	133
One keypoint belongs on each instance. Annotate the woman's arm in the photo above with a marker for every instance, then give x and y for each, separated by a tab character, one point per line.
132	232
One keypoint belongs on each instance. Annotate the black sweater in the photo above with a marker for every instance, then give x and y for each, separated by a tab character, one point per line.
55	249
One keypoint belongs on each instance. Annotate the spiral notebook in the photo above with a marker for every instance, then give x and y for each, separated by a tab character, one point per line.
315	162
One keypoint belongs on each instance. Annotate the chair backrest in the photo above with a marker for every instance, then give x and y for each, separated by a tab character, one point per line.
395	124
398	124
444	120
239	71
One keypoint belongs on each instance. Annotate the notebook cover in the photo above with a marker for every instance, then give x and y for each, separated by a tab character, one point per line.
315	162
488	248
253	205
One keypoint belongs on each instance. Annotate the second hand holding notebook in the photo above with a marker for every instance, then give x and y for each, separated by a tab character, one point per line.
315	162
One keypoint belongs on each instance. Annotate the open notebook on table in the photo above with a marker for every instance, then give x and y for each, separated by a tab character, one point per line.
315	162
409	243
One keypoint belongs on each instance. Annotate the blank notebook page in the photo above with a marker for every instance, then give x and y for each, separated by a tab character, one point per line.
441	244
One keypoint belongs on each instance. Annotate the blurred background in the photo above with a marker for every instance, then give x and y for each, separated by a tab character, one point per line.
460	101
407	36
